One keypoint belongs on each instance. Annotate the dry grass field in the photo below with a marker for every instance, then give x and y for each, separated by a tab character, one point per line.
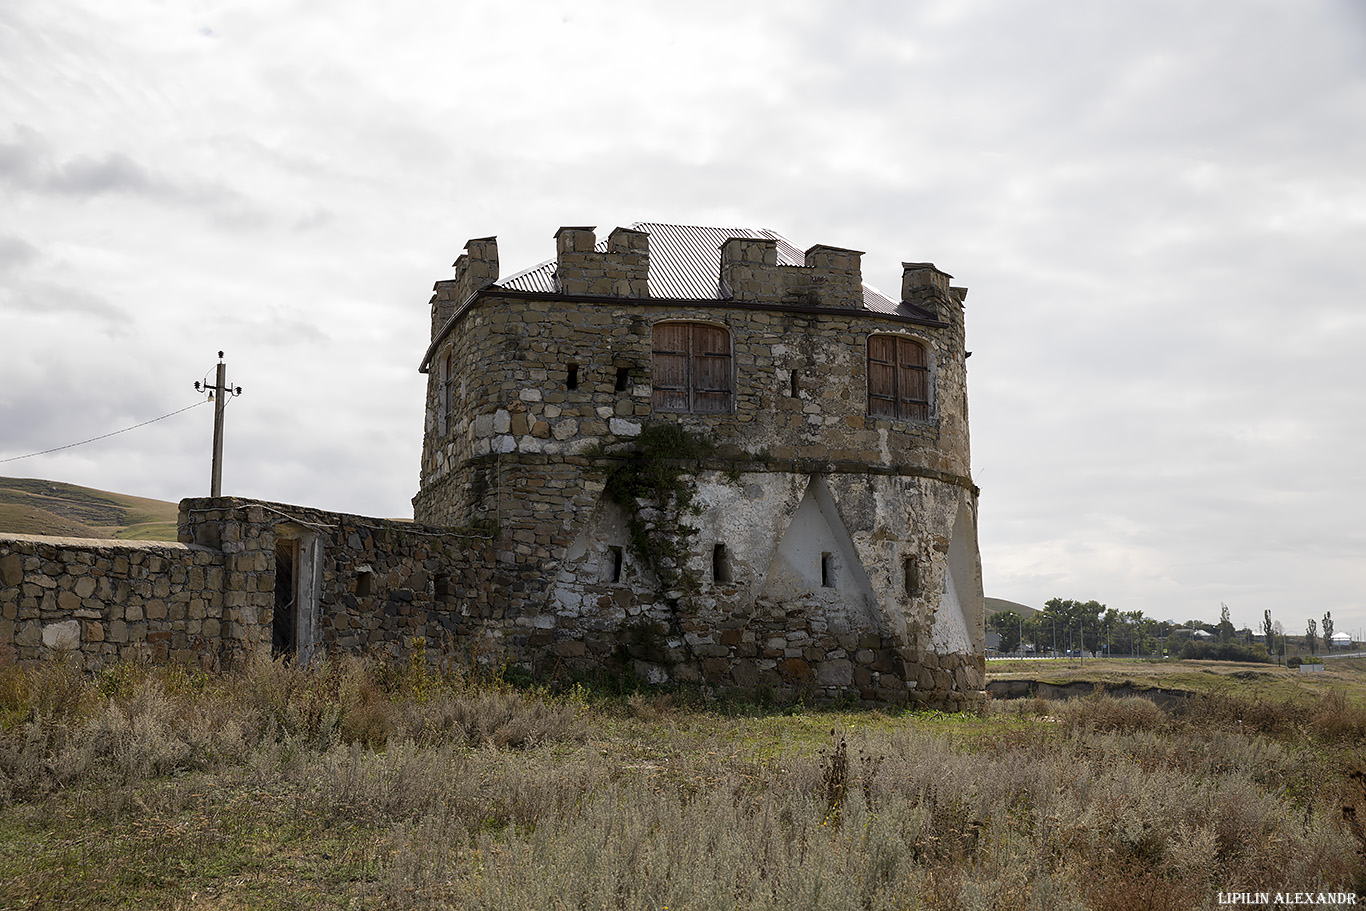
380	785
1263	681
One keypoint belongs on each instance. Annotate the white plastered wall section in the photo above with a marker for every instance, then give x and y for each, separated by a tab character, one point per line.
776	528
815	565
958	623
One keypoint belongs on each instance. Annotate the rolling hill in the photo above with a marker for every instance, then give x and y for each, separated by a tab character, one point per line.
31	506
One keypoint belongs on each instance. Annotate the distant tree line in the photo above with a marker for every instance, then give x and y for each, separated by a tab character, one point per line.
1068	626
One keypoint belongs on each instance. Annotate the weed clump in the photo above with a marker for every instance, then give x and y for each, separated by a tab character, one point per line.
652	484
1105	713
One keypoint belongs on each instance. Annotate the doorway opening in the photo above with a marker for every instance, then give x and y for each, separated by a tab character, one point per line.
284	631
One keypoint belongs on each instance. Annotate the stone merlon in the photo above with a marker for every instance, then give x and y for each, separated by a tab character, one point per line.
623	270
475	268
928	287
829	277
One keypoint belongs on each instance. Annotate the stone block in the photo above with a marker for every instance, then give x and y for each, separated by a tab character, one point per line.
11	570
835	672
62	636
569	648
716	670
30	634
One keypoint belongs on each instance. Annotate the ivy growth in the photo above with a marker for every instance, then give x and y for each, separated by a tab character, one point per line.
653	486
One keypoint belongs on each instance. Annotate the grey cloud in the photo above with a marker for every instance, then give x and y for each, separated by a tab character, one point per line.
48	299
115	172
23	156
15	252
29	163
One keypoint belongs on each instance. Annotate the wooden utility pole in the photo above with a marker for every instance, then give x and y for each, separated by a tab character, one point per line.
218	394
220	400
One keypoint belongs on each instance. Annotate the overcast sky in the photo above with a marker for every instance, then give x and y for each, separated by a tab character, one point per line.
1159	209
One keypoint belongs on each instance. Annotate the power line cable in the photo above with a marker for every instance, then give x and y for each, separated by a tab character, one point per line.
106	435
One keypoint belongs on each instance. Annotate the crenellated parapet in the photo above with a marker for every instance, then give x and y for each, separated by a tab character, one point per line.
622	271
830	276
476	268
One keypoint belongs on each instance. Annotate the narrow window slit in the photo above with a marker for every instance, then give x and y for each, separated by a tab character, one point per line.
623	378
364	583
910	572
720	563
796	392
615	559
827	570
571	380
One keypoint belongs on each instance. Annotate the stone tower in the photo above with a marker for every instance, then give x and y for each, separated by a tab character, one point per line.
816	526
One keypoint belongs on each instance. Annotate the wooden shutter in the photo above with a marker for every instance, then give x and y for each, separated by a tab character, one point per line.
898	378
710	369
912	381
669	370
882	376
691	368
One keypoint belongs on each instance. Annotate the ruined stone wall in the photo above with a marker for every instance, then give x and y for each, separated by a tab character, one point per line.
211	599
545	602
367	585
760	614
102	601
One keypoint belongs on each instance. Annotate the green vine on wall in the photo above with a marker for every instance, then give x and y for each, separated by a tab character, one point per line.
651	484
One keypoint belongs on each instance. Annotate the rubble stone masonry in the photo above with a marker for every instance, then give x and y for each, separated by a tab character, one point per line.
829	552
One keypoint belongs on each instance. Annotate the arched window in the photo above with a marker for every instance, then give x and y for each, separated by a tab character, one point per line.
898	378
690	369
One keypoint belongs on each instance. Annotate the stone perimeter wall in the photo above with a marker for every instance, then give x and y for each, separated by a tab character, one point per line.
448	595
211	599
103	601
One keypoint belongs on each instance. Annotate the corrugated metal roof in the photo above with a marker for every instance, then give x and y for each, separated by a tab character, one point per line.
685	263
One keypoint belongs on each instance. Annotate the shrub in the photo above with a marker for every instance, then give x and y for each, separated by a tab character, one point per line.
1104	713
1226	651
